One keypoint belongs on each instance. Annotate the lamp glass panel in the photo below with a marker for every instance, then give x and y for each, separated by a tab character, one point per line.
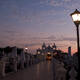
79	17
76	17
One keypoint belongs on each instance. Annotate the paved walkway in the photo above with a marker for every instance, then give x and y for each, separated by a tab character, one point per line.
41	71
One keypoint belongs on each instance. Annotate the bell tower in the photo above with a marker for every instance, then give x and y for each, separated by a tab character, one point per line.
54	46
43	46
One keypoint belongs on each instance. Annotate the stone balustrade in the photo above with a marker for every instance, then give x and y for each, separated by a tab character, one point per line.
13	60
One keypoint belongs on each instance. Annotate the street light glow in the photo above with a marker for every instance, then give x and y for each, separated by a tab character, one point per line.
38	52
26	48
76	17
49	53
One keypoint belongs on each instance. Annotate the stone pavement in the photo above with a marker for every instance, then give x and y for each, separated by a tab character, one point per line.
41	71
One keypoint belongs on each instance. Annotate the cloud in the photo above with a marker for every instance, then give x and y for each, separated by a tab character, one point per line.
55	3
51	39
32	44
66	4
60	38
69	39
42	18
67	0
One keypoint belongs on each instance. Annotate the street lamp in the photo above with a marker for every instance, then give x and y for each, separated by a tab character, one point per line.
26	49
38	52
76	19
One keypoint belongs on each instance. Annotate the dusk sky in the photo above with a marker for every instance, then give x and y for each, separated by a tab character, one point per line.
29	23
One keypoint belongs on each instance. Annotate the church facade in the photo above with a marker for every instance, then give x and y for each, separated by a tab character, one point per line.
47	50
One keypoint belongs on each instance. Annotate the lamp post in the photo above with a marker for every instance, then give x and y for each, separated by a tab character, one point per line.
76	19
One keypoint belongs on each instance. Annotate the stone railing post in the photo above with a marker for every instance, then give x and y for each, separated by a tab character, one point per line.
2	67
22	59
14	56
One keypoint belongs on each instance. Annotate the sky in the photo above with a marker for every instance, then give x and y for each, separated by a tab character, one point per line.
29	23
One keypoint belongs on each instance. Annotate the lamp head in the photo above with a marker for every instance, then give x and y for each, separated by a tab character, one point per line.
76	17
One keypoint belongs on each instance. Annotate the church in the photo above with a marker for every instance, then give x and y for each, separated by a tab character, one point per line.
48	51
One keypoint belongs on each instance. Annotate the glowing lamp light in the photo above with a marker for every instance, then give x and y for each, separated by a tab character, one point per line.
38	52
76	16
49	53
26	48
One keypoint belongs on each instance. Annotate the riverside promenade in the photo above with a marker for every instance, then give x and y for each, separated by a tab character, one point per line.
40	71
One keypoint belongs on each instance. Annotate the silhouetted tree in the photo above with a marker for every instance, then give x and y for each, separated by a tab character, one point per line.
7	49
